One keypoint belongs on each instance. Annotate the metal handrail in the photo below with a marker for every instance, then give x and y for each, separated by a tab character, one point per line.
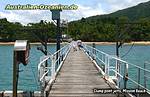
120	59
44	75
43	70
44	60
107	54
105	59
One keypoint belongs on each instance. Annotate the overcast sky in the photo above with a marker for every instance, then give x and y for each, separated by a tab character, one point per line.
86	8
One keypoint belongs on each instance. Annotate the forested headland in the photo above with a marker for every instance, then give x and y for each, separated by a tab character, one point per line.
131	24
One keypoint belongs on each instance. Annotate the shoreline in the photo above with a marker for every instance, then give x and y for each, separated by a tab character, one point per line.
127	43
12	43
98	43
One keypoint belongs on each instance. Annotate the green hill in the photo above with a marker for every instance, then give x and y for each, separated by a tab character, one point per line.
141	10
133	13
103	27
109	27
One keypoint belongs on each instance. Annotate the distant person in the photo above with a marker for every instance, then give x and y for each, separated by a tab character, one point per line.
74	44
79	43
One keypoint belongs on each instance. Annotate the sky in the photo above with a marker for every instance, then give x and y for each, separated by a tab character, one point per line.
86	8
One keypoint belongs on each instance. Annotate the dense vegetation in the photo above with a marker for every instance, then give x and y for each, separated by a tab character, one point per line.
111	29
33	31
118	25
131	24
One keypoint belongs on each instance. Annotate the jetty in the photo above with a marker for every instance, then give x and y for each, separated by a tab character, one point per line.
78	77
86	72
79	74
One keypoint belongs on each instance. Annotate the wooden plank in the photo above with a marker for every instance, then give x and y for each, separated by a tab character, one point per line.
78	77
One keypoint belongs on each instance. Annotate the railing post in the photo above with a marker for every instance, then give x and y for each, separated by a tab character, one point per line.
53	68
86	49
42	71
106	64
102	56
145	75
65	53
93	51
138	78
125	75
62	56
118	71
58	57
138	75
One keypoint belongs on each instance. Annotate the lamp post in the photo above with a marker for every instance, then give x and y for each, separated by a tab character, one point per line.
56	16
21	55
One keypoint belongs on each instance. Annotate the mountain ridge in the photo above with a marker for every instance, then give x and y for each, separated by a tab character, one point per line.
141	10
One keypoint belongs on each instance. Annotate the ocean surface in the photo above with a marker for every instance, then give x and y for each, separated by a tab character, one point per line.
137	55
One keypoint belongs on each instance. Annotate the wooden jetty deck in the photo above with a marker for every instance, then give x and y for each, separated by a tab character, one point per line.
78	77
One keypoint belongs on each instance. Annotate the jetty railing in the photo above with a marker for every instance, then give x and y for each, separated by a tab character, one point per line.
54	63
147	75
123	74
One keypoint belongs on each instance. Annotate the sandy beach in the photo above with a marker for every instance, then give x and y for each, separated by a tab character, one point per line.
98	43
12	43
129	43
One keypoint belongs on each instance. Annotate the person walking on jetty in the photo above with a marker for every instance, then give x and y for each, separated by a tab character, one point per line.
79	43
74	45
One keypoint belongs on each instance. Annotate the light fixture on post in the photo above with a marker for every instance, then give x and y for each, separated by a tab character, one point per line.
21	55
56	16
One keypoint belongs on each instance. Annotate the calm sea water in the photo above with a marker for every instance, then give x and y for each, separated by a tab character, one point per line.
138	54
28	74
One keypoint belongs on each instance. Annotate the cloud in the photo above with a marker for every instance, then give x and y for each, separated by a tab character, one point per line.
115	5
83	11
26	16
